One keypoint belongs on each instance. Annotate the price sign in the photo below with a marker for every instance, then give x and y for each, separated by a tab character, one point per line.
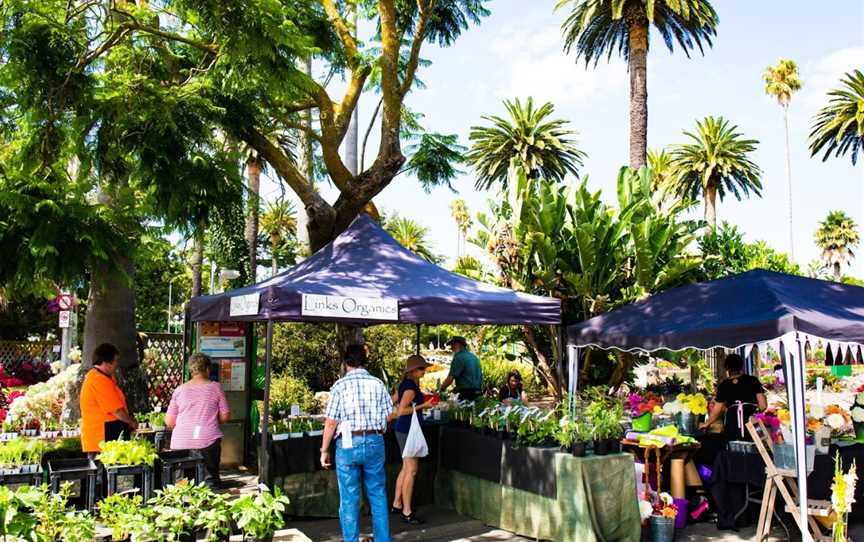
65	318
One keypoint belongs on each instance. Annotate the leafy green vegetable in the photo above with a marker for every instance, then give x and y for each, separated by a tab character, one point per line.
260	515
127	452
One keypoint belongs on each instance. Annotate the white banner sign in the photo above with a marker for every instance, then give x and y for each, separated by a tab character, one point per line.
244	305
355	308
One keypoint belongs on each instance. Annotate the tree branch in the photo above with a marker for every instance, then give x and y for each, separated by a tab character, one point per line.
206	47
390	86
425	9
342	31
369	131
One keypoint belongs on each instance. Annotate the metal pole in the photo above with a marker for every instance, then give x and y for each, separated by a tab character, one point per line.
170	293
263	455
799	370
561	357
212	277
417	349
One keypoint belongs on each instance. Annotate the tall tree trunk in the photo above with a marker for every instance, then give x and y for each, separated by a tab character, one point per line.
711	206
306	166
638	39
111	319
837	275
197	259
253	175
789	180
274	241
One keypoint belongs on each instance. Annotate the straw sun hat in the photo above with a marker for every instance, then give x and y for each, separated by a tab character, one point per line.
416	361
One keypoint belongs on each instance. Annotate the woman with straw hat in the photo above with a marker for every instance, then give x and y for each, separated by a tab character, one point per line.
411	400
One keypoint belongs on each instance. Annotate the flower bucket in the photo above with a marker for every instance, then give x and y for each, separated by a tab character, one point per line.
687	423
642	423
601	447
823	441
683	510
614	446
662	529
578	449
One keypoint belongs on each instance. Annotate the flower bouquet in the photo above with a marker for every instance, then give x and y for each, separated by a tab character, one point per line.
641	408
688	411
842	498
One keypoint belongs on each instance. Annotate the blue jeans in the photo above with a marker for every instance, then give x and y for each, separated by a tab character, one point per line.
366	460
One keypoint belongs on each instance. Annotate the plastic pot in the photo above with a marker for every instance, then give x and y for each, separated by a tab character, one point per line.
601	447
614	445
578	449
642	423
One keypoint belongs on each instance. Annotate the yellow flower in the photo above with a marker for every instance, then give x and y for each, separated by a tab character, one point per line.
657	410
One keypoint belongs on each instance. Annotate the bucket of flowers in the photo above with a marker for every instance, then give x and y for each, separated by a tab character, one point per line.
662	520
688	410
641	407
842	497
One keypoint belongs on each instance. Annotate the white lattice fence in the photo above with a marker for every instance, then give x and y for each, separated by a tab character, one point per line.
13	352
163	365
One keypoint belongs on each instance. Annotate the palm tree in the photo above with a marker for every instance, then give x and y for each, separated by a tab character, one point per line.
598	28
279	222
544	148
781	81
715	162
413	236
837	235
839	126
254	165
459	212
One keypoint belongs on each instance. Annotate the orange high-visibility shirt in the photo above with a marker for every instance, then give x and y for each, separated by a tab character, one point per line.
100	398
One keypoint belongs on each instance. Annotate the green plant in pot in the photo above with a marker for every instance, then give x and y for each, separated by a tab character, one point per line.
182	510
117	513
615	429
127	452
259	516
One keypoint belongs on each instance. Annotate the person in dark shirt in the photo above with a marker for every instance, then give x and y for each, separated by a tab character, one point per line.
512	390
738	397
411	400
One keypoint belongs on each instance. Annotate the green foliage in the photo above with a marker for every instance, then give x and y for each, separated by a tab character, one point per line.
839	126
117	511
836	236
260	515
127	452
308	352
16	520
495	370
598	28
433	160
179	509
287	390
157	263
412	235
782	80
21	451
715	161
56	521
542	148
724	252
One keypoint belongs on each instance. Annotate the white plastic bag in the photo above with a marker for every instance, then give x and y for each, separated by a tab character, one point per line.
415	444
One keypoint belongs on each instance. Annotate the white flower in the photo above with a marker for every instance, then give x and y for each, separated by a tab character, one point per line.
859	399
858	414
835	421
645	509
817	411
75	355
672	408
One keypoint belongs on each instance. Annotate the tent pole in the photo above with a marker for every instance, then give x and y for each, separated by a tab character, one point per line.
417	347
264	456
561	358
800	367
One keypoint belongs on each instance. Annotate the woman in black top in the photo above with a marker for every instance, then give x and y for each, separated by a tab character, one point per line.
738	392
512	390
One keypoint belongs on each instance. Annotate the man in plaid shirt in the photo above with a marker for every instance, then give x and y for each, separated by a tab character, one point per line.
357	415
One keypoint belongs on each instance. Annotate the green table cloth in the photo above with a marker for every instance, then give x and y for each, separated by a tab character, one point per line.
596	501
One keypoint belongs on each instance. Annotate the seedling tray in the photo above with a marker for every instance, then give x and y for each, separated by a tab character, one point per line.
84	469
187	460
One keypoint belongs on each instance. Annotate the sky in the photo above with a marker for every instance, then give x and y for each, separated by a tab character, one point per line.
517	52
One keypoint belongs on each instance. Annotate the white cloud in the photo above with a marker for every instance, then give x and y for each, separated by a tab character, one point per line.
824	75
535	65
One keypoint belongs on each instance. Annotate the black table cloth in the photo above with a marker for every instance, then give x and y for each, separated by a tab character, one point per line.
734	470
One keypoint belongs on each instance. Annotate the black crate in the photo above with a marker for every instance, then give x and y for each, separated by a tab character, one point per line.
25	478
143	478
83	469
185	460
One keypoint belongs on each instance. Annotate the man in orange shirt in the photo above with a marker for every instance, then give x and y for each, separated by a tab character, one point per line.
104	414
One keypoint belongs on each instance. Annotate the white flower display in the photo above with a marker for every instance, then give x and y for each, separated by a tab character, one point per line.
835	421
75	355
645	509
859	399
673	407
817	411
46	399
858	414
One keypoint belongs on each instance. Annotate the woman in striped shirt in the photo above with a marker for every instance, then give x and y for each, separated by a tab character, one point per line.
196	410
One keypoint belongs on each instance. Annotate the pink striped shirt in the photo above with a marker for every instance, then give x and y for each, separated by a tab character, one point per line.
197	408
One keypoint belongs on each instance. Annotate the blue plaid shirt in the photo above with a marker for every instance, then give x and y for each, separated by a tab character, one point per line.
361	400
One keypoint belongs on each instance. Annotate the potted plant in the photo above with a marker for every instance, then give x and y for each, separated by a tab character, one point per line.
295	428
259	516
55	521
117	513
181	510
127	453
314	427
641	407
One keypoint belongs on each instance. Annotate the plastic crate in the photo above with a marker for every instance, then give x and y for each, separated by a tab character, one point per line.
143	478
185	460
83	469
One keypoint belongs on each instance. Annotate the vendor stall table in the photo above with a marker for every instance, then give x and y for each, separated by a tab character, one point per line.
660	455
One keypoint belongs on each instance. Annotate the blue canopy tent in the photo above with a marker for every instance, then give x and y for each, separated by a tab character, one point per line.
739	311
365	277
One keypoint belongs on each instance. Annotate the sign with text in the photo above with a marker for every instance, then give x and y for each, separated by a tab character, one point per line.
244	305
224	347
354	308
65	319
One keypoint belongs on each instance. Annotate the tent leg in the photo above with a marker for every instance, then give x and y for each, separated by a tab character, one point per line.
417	346
562	357
263	455
800	443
